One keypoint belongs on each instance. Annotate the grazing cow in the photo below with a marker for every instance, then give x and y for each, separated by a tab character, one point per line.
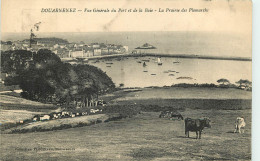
54	115
165	114
45	118
94	111
196	125
177	115
65	114
171	114
36	118
240	123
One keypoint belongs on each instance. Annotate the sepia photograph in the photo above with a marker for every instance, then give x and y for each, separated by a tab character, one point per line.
126	80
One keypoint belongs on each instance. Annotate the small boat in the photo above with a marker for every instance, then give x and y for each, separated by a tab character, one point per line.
139	62
171	71
159	61
171	74
146	60
184	78
109	63
153	74
145	71
108	66
144	64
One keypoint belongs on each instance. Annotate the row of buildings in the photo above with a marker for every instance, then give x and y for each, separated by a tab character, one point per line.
66	49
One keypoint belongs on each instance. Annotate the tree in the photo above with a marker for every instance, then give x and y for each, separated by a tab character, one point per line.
43	77
45	57
40	80
13	62
91	82
223	81
244	83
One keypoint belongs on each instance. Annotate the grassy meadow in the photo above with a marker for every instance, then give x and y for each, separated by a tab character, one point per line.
145	136
142	137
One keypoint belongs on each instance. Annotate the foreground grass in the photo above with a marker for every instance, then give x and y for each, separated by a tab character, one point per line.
143	137
183	93
16	103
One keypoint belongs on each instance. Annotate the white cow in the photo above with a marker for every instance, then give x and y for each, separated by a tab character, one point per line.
240	123
45	117
35	119
55	116
95	111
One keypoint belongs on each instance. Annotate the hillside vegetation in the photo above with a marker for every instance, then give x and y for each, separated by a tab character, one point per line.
44	78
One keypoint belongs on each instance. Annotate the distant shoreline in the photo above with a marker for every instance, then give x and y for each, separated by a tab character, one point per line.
198	57
162	55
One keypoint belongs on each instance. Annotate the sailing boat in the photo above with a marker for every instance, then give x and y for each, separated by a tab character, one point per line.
144	64
159	61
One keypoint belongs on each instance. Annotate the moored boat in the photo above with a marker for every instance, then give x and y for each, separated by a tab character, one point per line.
159	61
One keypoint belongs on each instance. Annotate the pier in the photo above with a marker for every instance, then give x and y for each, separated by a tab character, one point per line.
160	55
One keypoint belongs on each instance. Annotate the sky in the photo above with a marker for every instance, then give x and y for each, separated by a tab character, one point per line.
222	16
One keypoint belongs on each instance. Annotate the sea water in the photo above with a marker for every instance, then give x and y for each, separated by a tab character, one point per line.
132	73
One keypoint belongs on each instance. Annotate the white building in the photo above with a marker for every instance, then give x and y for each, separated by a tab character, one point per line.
97	52
88	54
95	46
126	48
76	54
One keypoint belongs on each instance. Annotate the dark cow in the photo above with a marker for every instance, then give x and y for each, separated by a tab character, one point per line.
196	125
177	115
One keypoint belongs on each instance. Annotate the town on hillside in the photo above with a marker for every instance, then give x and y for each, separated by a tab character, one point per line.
65	49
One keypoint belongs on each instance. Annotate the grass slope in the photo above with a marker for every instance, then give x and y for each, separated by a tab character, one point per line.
143	137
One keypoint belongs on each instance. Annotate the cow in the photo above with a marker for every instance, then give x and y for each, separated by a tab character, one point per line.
165	114
95	111
36	118
72	115
240	123
54	115
171	114
177	115
45	118
196	125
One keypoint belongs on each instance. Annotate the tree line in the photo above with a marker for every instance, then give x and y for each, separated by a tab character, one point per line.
45	78
242	83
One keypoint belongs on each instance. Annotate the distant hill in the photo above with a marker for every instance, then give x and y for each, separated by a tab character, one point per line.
49	40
